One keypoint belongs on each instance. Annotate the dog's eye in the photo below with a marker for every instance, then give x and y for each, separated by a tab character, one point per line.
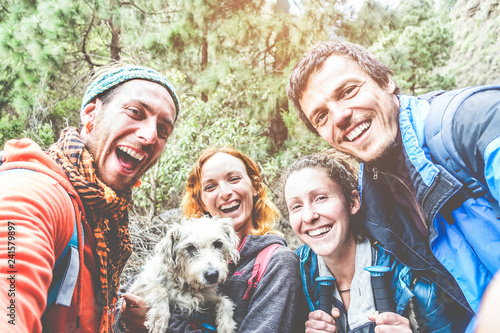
217	244
191	249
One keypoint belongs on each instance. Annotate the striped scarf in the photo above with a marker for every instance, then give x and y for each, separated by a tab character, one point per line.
108	212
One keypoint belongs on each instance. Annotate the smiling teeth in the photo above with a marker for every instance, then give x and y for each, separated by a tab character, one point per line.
357	131
319	231
132	153
229	206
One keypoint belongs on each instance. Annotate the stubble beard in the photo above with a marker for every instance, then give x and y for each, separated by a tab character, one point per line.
383	151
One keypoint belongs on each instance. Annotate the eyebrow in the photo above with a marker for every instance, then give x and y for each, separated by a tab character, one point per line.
165	120
230	173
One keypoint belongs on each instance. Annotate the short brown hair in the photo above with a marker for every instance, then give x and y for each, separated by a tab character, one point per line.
314	59
264	213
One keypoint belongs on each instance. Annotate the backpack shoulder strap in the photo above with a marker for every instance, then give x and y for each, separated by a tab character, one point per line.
65	272
439	137
259	268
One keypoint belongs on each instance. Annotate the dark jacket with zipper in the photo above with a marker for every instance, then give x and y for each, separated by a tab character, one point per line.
417	211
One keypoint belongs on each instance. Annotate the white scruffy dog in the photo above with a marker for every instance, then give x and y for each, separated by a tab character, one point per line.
184	272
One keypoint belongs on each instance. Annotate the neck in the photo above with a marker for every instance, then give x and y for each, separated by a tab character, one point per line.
341	263
392	153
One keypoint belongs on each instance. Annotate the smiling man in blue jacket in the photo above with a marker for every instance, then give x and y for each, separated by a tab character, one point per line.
415	206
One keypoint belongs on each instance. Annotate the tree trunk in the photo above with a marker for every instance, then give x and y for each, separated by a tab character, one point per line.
204	63
114	47
278	132
115	42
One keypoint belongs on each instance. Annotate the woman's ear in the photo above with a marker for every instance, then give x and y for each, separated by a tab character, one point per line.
355	202
255	190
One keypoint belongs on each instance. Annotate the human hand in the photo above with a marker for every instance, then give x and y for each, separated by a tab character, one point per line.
388	322
320	321
134	309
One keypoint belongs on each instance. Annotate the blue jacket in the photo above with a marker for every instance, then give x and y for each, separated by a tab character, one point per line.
415	209
432	311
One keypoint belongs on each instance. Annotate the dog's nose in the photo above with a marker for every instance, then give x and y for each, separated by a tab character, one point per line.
211	276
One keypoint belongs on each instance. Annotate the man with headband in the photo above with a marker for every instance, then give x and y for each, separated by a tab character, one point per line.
64	236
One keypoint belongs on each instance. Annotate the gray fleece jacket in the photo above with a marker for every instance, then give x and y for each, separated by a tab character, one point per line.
274	304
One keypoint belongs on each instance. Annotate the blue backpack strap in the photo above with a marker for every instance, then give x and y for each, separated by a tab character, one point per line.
259	268
439	138
65	272
67	266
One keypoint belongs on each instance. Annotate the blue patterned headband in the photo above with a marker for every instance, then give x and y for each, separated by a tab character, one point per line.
116	76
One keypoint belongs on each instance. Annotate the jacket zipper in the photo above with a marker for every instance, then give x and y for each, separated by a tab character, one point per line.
412	196
433	270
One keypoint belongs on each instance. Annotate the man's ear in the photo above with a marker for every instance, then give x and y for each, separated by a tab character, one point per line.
355	202
391	86
89	113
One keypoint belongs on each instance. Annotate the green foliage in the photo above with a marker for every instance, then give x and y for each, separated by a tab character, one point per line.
10	128
370	21
46	135
474	58
230	60
414	49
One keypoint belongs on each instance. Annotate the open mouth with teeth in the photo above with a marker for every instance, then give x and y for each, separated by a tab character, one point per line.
358	131
230	207
319	232
128	158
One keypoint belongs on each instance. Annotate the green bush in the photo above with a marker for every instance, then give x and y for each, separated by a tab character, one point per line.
10	128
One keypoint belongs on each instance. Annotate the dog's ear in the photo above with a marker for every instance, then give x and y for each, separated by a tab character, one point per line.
232	237
168	248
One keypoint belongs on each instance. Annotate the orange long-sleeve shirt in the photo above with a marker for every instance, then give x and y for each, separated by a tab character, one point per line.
37	217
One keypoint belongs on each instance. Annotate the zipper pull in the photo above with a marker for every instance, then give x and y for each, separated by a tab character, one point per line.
375	173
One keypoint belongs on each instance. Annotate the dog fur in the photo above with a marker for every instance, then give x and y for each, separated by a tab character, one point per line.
185	270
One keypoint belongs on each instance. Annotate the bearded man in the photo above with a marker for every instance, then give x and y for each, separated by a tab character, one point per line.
64	212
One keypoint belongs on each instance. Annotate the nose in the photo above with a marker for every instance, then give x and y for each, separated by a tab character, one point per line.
225	191
147	131
309	215
341	116
211	276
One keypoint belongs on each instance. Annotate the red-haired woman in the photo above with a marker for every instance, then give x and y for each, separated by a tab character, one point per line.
226	183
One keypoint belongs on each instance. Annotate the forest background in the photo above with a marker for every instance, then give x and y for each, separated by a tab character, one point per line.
230	61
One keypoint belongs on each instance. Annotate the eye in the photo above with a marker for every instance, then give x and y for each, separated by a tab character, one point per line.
294	207
163	131
217	244
234	179
321	118
191	249
134	113
350	91
209	188
320	197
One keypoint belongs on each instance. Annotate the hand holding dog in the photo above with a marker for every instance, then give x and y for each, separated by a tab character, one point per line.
390	322
320	321
134	309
